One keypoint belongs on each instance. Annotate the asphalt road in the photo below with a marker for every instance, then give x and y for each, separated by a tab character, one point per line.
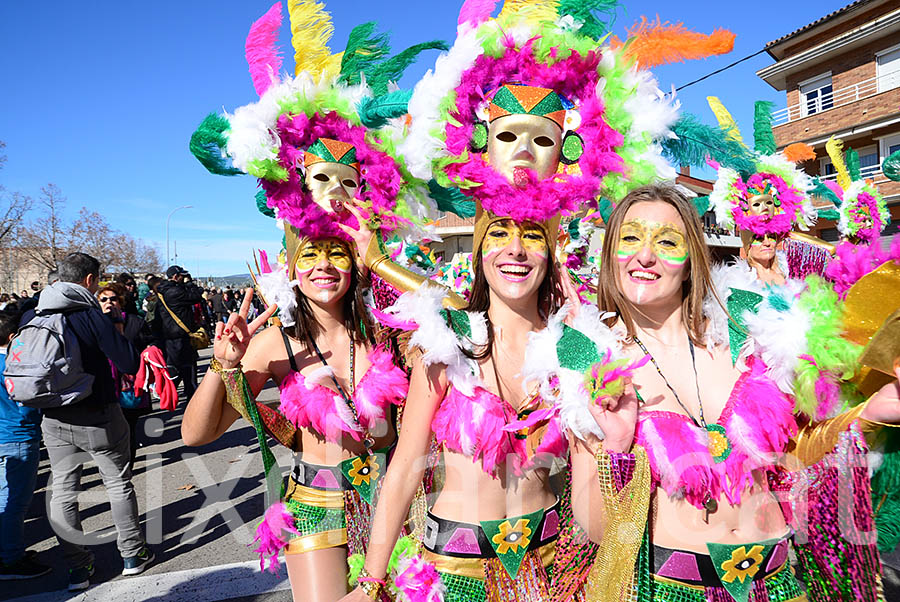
199	508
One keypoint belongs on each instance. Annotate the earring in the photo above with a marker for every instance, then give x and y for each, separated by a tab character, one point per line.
572	148
479	140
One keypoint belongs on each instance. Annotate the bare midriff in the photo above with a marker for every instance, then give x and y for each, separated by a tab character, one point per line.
314	449
471	495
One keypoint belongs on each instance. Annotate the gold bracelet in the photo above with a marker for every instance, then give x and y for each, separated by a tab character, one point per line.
216	366
370	586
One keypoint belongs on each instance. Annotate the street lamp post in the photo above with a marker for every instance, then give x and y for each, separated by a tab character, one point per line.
167	228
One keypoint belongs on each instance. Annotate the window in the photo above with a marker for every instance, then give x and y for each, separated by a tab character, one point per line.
888	69
816	95
889	145
869	163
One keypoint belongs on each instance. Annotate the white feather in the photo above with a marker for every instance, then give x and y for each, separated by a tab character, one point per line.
277	289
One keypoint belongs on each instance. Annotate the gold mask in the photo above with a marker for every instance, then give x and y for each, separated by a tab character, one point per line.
314	251
524	141
332	185
501	233
762	204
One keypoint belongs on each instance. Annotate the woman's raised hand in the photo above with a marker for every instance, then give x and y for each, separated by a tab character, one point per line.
617	418
884	406
570	293
233	337
362	236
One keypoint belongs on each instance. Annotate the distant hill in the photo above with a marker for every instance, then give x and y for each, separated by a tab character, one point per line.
235	281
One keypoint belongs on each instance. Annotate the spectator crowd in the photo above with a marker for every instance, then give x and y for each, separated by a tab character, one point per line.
115	333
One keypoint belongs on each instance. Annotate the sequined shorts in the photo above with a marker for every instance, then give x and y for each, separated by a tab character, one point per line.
764	575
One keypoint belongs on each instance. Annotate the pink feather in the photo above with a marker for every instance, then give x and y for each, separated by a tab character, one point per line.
390	321
382	385
273	535
476	12
312	405
852	262
418	580
264	262
261	51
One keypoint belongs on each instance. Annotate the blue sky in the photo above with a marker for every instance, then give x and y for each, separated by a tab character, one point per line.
101	98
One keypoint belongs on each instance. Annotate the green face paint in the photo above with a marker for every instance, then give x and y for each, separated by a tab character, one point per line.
666	240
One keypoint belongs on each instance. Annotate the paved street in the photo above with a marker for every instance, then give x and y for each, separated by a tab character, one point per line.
199	508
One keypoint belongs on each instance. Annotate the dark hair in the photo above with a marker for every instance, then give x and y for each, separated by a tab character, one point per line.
75	267
694	289
117	289
153	282
356	318
550	298
125	278
9	324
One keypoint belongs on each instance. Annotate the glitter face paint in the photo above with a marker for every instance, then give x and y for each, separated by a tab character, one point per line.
666	240
501	234
332	251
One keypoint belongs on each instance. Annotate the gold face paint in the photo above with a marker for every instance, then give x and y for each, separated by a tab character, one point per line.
314	251
332	185
666	240
524	141
500	234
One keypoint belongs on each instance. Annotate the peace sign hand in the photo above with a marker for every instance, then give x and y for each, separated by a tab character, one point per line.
233	337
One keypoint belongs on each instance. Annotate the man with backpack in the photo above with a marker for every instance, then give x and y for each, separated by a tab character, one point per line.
65	348
174	323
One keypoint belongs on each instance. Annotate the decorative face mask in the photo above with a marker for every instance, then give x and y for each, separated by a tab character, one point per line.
762	204
524	142
500	234
332	185
666	240
333	251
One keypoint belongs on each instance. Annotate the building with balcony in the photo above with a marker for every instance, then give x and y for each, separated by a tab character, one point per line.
841	77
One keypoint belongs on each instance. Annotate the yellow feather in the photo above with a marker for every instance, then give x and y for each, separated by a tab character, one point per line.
533	12
835	148
726	121
311	29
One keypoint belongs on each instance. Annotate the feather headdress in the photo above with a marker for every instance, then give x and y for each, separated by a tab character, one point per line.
614	113
862	210
342	101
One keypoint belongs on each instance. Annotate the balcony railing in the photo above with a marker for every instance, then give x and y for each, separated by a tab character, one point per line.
873	172
837	98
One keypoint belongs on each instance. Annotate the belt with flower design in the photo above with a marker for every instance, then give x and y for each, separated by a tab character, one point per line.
507	539
733	567
360	473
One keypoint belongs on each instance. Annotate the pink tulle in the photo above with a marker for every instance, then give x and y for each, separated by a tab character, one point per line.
273	535
575	77
261	49
312	405
476	12
852	262
474	426
758	420
378	171
418	580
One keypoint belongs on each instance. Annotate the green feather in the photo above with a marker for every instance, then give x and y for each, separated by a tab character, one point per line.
763	136
261	204
829	213
392	69
820	189
701	204
586	12
886	492
375	112
891	167
208	145
606	208
355	563
851	158
696	141
364	49
451	199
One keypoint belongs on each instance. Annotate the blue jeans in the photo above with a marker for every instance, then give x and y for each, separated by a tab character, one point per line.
18	476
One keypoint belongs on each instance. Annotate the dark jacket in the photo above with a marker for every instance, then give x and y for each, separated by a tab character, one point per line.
180	299
218	305
99	343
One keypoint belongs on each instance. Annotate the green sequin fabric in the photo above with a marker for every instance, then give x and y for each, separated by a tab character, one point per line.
462	589
310	520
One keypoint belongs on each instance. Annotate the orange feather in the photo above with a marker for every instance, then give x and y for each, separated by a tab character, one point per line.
652	43
797	152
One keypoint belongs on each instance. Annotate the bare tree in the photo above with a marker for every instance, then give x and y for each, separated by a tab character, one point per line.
45	240
17	206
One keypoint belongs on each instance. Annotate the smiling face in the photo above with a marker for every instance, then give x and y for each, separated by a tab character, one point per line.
323	268
332	185
652	253
514	259
524	142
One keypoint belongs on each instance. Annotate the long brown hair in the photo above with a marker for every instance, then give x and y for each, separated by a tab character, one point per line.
694	289
550	297
356	320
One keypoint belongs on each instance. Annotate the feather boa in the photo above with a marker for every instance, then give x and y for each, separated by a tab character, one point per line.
418	581
759	422
852	262
307	403
273	534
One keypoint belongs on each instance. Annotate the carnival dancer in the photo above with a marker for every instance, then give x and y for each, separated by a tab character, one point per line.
518	116
318	142
693	489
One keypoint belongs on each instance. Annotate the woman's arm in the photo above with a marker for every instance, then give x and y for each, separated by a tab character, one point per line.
426	390
207	415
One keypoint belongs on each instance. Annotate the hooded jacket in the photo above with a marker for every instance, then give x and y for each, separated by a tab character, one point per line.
99	343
